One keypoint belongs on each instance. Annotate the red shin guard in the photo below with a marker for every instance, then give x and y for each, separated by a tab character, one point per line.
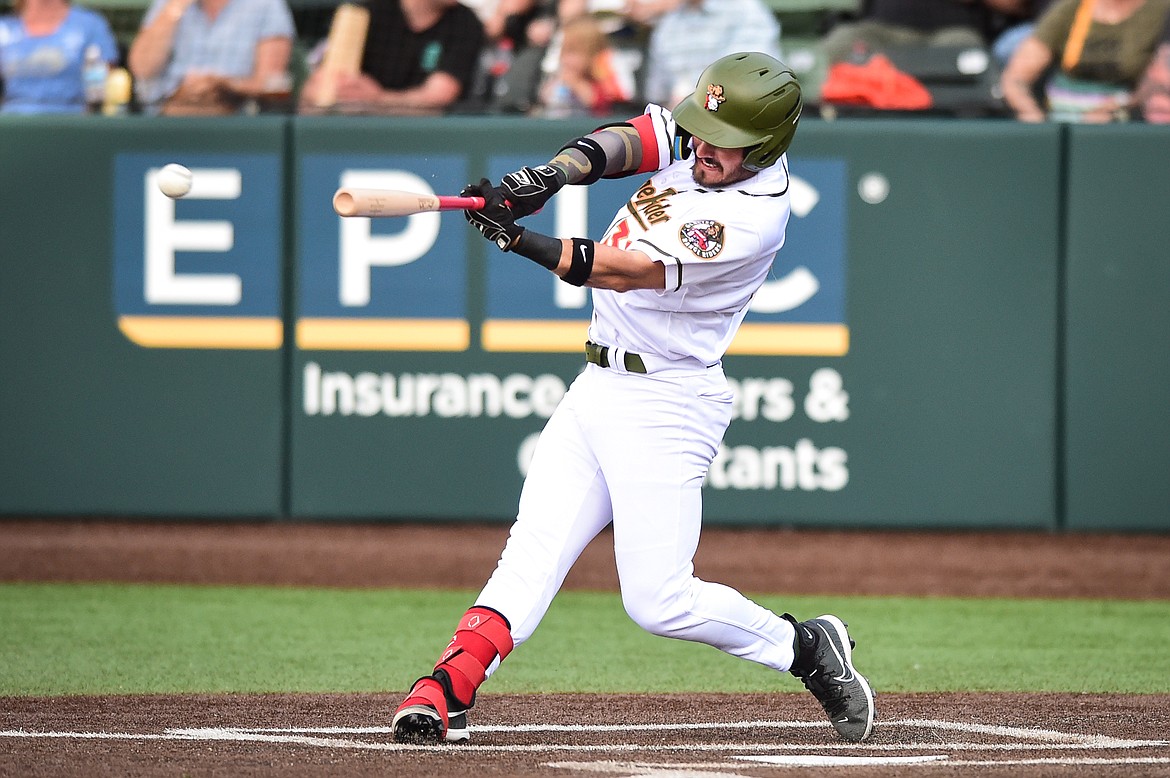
482	635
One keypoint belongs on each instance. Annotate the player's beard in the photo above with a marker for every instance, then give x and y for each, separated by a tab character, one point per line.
710	172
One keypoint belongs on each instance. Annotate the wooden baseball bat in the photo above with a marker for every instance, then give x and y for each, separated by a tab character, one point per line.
393	202
343	53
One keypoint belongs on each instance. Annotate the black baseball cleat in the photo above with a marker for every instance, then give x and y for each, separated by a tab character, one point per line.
421	725
825	665
425	718
418	725
457	731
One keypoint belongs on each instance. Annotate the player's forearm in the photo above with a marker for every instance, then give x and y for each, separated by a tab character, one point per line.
643	144
608	152
622	270
439	91
150	51
1020	77
583	262
409	99
1017	93
271	67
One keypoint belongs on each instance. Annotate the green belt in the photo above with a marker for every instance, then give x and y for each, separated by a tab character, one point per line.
599	355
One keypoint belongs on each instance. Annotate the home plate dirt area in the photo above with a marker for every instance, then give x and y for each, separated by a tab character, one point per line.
548	735
703	736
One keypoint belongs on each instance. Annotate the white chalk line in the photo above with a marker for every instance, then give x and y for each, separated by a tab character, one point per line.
571	727
815	760
21	733
1022	733
1042	739
837	760
714	769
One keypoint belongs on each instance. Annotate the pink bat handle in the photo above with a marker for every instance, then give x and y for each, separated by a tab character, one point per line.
456	203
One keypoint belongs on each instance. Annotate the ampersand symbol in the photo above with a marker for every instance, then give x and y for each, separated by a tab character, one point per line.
827	399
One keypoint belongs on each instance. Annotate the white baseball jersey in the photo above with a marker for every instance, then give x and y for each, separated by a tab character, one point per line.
717	246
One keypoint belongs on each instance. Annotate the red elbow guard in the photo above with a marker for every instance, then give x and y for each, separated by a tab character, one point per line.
651	154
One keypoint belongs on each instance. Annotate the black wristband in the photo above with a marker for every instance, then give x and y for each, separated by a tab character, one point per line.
582	265
541	249
595	156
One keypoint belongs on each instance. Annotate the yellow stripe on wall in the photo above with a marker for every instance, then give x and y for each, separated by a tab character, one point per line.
534	335
519	335
809	340
225	332
383	334
499	335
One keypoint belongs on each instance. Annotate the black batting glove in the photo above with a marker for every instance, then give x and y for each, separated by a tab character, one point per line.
529	188
495	220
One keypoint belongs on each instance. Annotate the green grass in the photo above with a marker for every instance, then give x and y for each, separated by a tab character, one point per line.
125	639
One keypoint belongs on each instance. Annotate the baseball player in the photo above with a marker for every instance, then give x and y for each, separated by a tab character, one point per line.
632	439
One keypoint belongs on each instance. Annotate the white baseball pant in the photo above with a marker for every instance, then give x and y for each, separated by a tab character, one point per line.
633	449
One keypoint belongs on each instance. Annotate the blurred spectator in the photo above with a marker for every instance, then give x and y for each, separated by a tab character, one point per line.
210	57
886	24
1008	39
647	12
1154	92
42	49
1100	51
420	56
546	23
530	55
691	36
505	18
506	32
588	80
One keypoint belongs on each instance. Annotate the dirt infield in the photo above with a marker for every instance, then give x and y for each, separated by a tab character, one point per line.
624	735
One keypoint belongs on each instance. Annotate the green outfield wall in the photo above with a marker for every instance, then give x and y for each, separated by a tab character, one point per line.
964	329
92	422
1116	449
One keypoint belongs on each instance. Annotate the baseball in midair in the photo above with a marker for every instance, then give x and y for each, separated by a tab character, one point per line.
174	180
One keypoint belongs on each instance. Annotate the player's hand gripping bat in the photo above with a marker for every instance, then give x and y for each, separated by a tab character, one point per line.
394	202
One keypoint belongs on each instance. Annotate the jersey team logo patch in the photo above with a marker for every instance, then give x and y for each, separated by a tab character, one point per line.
704	237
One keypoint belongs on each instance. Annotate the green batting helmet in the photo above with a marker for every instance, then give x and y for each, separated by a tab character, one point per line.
749	101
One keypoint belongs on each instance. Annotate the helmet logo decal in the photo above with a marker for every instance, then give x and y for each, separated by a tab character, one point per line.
714	96
703	237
